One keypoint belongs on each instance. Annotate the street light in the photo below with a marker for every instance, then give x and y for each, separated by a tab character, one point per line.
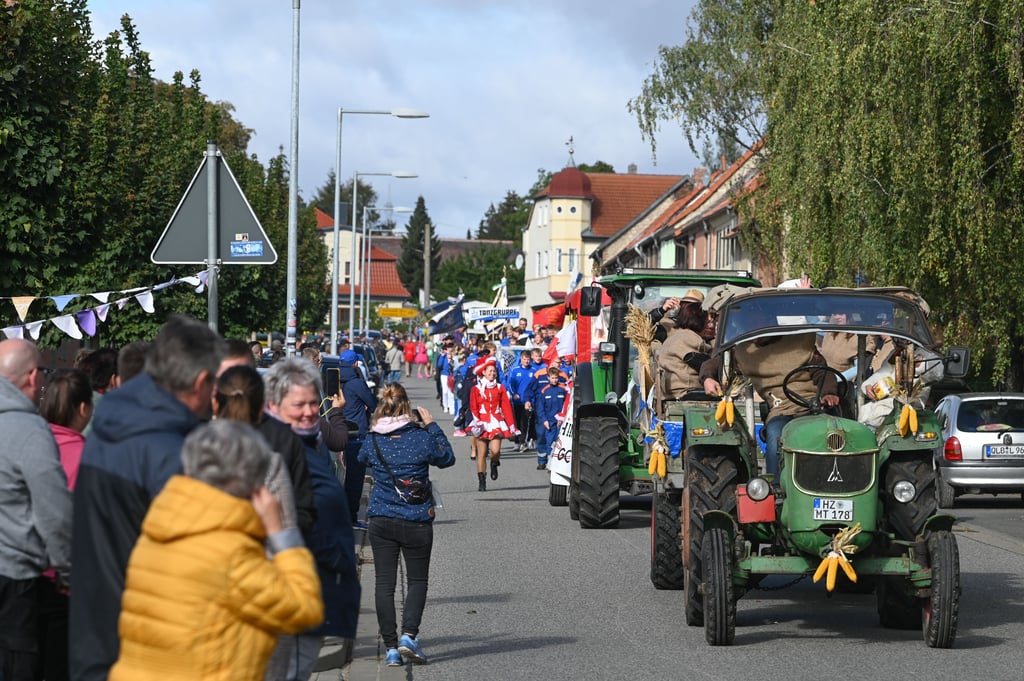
397	113
365	280
355	203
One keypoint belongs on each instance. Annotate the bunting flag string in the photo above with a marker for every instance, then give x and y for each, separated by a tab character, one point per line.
80	322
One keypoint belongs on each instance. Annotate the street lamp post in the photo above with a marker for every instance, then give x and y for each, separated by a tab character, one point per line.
397	113
355	204
365	281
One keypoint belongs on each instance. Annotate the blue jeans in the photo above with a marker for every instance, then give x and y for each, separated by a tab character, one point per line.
389	538
772	436
394	376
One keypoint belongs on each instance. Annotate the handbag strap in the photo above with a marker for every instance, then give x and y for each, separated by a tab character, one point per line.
384	463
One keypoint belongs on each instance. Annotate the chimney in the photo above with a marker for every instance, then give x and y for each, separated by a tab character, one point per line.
700	174
631	169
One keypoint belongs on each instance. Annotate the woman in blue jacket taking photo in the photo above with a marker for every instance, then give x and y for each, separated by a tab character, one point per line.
401	446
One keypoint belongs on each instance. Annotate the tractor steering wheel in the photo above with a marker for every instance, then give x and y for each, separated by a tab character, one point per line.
814	404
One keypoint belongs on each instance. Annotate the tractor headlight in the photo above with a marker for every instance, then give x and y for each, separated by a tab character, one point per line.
758	489
904	491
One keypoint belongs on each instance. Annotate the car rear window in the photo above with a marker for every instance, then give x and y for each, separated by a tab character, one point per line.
982	416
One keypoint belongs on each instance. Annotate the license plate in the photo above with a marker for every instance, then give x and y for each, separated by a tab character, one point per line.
833	509
1009	451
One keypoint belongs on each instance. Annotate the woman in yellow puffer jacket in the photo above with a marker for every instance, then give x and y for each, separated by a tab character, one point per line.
202	600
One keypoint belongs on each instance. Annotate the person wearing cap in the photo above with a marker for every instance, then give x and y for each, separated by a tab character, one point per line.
493	418
550	400
684	349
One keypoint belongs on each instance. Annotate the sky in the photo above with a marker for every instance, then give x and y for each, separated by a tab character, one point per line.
505	83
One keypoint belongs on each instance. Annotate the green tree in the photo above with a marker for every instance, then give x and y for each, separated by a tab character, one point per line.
596	167
894	147
46	76
507	221
323	199
477	270
410	264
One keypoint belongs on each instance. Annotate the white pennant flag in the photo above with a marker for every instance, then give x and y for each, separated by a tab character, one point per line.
14	332
146	301
66	323
102	311
34	327
102	296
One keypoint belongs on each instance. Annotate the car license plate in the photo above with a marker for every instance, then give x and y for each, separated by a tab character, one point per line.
999	451
833	509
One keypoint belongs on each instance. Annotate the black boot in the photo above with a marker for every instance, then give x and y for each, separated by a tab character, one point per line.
494	468
483	482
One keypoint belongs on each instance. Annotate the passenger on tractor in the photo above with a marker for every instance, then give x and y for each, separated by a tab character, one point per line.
766	362
663	317
685	349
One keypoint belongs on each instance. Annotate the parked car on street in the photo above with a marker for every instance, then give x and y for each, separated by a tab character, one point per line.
982	445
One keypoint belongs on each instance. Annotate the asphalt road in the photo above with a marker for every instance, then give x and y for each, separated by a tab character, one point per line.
519	591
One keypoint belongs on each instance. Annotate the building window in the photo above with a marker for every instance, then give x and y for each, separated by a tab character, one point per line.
348	272
574	265
726	247
540	269
547	264
573	210
558	209
558	260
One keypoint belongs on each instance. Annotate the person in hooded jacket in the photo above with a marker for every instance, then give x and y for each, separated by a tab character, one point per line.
402	445
359	404
202	600
293	389
134	448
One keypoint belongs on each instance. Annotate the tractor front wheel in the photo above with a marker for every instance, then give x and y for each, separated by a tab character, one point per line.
598	488
719	600
574	503
711	479
907	519
942	607
666	547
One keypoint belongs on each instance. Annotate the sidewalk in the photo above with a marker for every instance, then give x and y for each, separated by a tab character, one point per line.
363	658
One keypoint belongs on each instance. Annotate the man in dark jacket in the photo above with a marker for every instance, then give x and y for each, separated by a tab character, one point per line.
135	447
359	406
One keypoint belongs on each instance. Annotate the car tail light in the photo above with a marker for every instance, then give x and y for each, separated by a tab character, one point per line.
952	450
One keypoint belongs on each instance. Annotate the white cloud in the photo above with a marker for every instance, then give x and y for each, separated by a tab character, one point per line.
505	84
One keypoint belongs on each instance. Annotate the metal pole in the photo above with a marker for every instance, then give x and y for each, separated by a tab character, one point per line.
352	278
293	192
369	269
365	260
212	232
337	241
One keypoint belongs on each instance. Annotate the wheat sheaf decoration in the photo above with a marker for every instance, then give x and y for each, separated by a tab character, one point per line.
640	331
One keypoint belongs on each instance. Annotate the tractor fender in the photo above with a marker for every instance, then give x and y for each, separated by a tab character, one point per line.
720	520
598	409
939	522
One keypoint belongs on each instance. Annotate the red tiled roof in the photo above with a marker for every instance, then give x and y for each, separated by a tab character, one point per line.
323	220
384	281
619	199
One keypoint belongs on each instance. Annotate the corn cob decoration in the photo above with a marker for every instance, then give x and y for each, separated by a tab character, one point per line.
725	413
842	544
908	420
658	465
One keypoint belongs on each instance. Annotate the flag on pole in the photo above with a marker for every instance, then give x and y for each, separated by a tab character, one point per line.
448	319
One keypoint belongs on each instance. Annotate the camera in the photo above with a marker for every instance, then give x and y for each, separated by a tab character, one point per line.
416	415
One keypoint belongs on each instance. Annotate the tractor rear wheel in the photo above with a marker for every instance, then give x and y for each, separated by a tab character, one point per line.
666	541
557	494
942	607
711	479
574	503
598	488
719	600
908	519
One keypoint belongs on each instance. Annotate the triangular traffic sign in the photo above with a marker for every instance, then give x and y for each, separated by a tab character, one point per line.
240	239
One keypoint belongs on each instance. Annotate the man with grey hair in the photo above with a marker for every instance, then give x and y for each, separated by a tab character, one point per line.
35	508
134	448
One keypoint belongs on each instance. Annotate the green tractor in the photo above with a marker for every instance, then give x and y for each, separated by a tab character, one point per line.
610	392
854	497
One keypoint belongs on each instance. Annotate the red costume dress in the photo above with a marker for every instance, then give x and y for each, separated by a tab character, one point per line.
492	411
